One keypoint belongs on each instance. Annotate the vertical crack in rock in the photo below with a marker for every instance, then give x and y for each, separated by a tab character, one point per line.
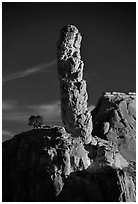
74	111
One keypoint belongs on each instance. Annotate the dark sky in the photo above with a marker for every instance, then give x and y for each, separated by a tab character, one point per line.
29	34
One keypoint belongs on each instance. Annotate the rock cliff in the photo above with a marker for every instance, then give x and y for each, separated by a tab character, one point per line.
91	159
114	119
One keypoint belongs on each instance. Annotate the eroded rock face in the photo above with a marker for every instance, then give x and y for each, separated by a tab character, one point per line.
71	164
49	165
108	178
114	119
75	114
36	164
104	185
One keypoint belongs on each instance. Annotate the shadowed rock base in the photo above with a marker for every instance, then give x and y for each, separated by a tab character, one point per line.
48	164
103	185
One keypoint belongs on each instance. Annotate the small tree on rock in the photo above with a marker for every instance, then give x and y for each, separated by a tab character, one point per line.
35	121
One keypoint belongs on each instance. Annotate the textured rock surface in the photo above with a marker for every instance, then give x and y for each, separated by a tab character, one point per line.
104	185
36	164
71	164
75	114
114	119
50	165
109	177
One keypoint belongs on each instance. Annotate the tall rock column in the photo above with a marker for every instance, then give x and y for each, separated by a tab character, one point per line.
74	111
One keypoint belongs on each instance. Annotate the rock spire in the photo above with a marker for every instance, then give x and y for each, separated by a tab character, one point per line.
74	111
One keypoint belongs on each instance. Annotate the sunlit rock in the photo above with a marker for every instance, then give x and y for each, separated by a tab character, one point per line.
74	111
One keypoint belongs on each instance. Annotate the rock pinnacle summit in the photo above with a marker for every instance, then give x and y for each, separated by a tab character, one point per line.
74	110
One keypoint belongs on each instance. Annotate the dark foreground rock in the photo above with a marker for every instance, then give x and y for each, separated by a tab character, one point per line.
103	185
50	165
36	164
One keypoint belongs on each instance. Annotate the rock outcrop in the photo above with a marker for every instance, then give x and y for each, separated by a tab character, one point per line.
75	114
114	119
36	164
80	162
104	185
48	164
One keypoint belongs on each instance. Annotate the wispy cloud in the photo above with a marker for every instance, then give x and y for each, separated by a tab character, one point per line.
15	116
8	105
13	112
7	133
50	112
29	71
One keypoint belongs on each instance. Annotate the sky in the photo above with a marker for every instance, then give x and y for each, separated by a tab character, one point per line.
29	73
